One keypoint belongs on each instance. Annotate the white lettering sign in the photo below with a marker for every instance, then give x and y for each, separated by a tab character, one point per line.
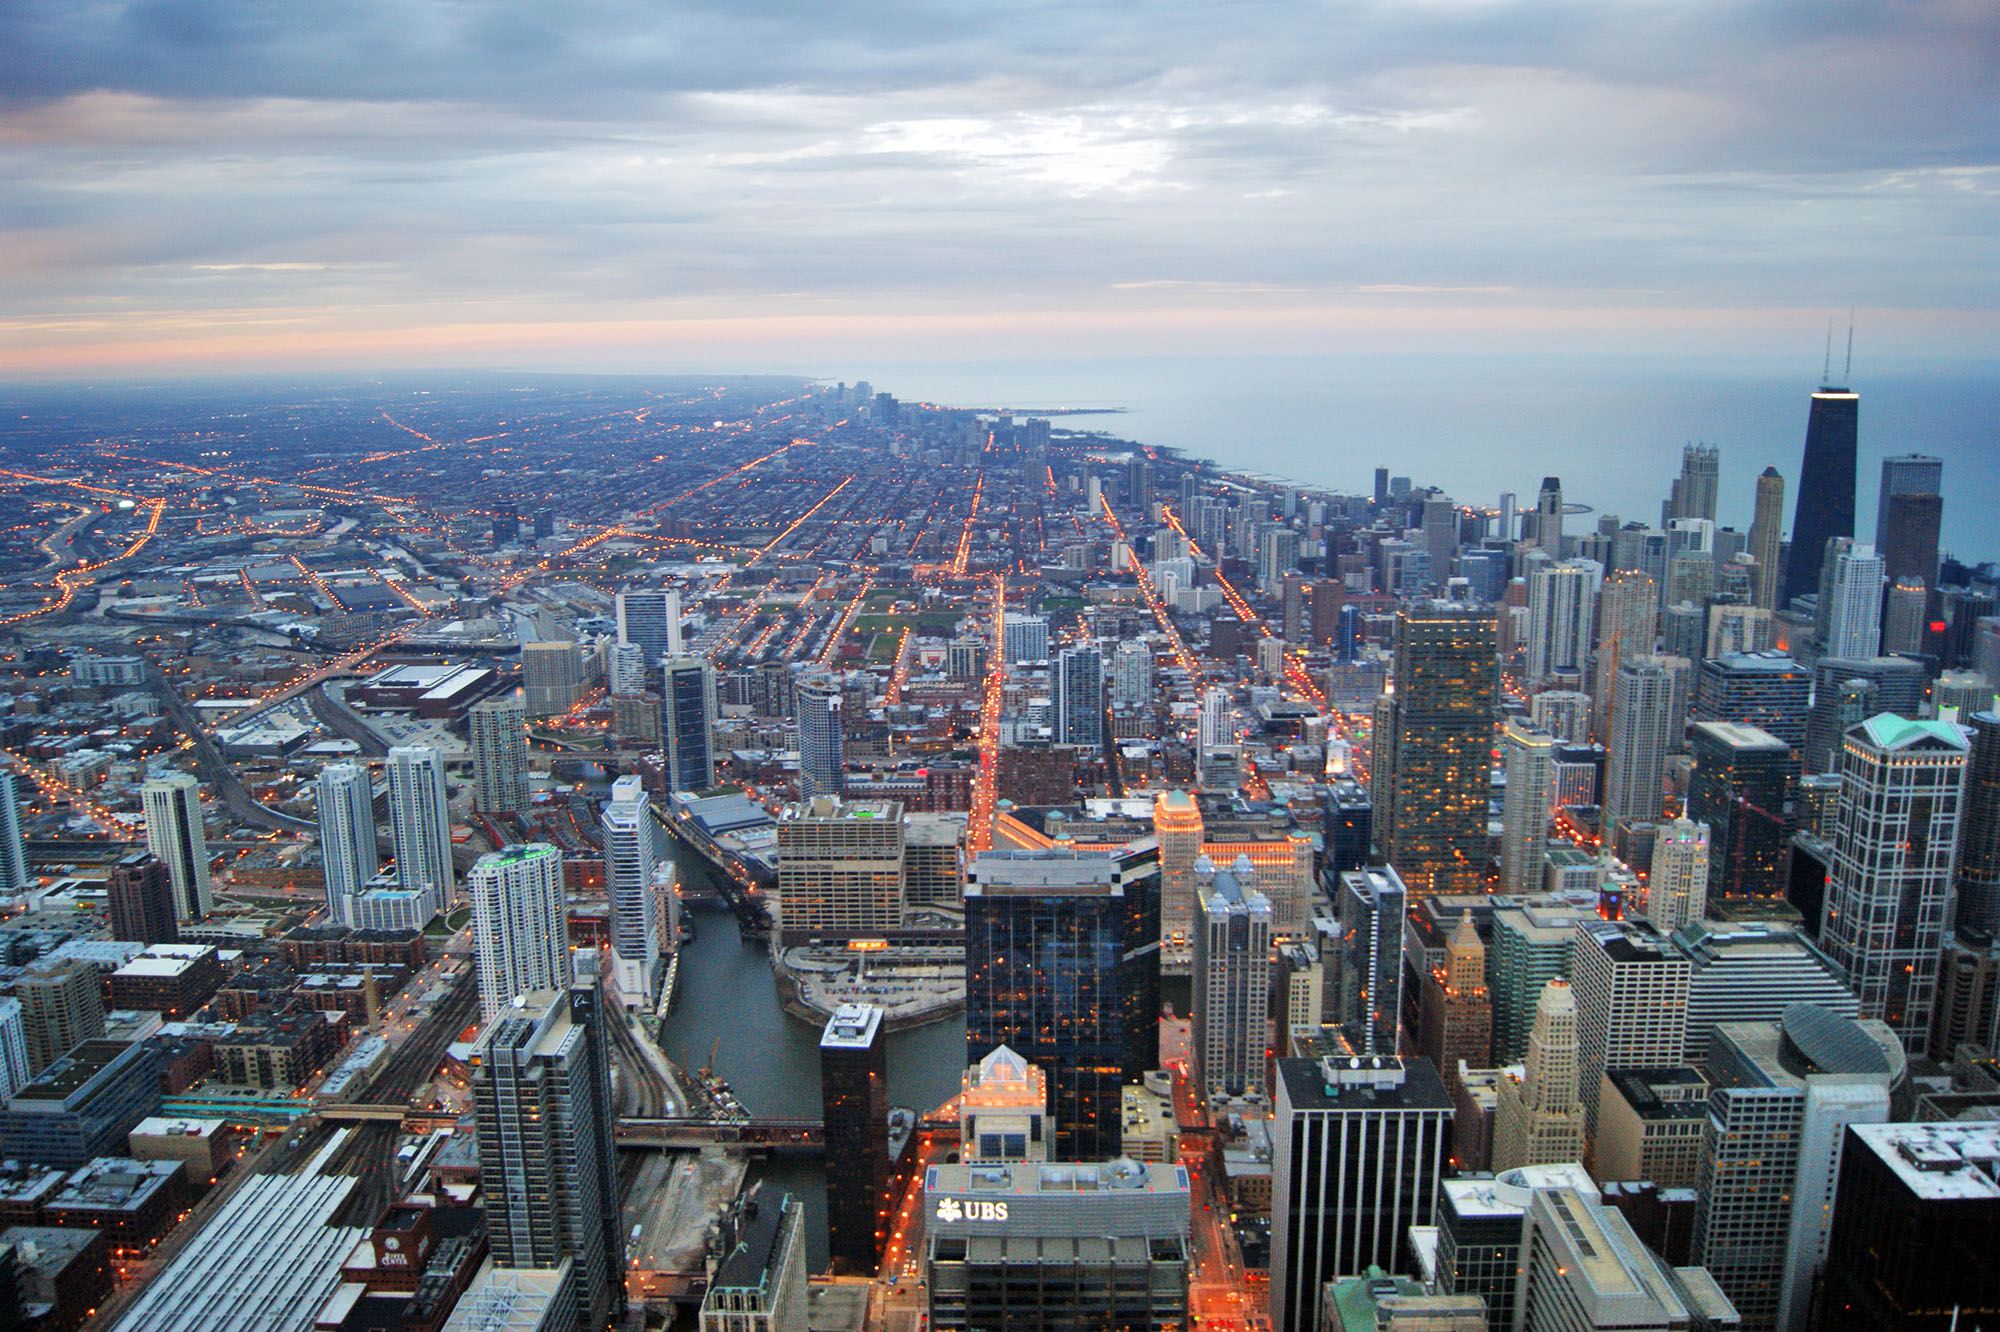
951	1209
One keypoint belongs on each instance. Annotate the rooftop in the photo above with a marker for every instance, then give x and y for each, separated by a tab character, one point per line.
1942	1161
852	1027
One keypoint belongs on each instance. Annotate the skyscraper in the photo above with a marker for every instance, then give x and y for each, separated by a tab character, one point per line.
651	618
687	712
347	849
420	823
1455	1017
1766	532
1850	605
499	733
820	740
854	1100
840	869
543	1123
1061	966
172	806
1562	600
1358	1148
1024	638
1677	889
1911	552
1131	675
1635	762
1825	506
1541	1117
1367	970
1894	840
1549	516
1694	492
1080	697
1738	789
1529	756
551	677
1979	829
1232	980
520	923
1433	822
13	855
142	900
1631	1002
1904	474
631	861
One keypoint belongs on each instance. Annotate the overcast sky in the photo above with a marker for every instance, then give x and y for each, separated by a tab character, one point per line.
193	184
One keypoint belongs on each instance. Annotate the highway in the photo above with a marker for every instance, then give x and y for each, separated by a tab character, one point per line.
211	767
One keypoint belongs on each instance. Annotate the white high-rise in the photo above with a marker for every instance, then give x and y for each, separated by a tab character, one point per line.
520	924
1853	614
13	854
420	824
1024	638
1641	734
1562	599
1218	724
1677	889
625	668
14	1072
631	862
1631	1002
499	731
347	852
1132	675
1232	979
1895	838
651	618
172	806
1540	1119
1530	756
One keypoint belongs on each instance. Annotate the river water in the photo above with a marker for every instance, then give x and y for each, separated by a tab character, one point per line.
728	1005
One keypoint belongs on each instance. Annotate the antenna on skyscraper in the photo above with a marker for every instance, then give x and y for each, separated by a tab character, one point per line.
1826	366
1847	375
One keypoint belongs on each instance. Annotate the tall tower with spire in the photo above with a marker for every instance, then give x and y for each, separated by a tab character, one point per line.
1540	1120
1456	1017
1826	478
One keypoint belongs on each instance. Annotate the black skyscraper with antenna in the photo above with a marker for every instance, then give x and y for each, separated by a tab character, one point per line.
1826	478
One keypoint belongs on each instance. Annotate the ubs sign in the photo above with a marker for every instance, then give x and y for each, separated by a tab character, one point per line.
951	1209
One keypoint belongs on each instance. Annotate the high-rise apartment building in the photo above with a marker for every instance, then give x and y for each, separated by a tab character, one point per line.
61	1006
1677	888
821	743
1894	840
1540	1120
141	894
551	677
854	1098
1024	638
543	1123
651	618
172	806
420	824
1739	788
840	869
1641	736
632	858
1528	755
1080	697
1132	675
687	714
1562	604
1766	532
520	923
1061	966
1358	1148
1850	605
1825	507
1232	980
498	728
345	807
1631	1002
13	853
1432	814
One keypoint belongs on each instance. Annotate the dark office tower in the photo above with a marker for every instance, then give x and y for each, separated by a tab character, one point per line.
545	523
1381	488
1080	697
542	1110
1979	830
506	523
687	711
1549	516
1139	488
1738	788
1767	690
1358	1148
1345	824
1905	474
1433	820
854	1100
1767	525
1366	973
1916	1223
1190	483
1826	487
1879	684
142	901
1062	966
1694	492
1910	548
